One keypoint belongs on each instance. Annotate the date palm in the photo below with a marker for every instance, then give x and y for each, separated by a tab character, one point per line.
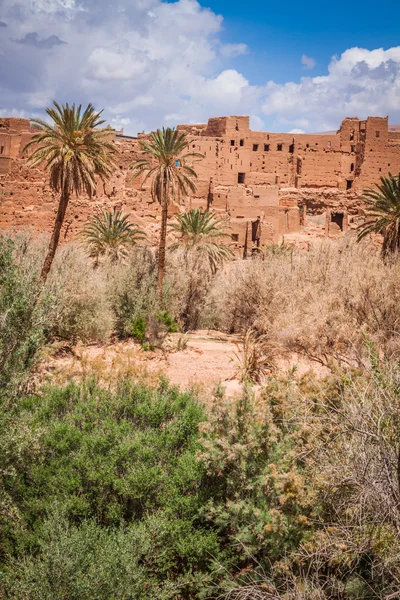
110	235
75	151
203	233
166	166
383	213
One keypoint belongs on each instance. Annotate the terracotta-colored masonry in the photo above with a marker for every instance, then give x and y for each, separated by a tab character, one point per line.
270	185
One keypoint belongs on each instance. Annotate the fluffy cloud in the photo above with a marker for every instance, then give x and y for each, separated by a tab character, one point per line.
151	62
307	62
147	62
359	83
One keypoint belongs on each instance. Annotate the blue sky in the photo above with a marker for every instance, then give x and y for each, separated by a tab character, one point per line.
277	33
291	66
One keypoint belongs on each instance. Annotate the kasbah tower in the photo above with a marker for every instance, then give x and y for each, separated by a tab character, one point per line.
272	186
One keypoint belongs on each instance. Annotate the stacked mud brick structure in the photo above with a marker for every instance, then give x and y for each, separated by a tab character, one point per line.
270	185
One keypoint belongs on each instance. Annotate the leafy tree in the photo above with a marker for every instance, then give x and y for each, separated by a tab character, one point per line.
202	232
383	213
171	177
110	235
74	151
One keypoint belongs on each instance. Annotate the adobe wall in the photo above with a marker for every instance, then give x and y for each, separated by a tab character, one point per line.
270	184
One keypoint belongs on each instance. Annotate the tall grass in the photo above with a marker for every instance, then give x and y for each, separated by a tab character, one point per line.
322	303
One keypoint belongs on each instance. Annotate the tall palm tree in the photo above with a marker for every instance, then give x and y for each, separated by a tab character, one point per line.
383	213
171	177
111	234
202	232
74	151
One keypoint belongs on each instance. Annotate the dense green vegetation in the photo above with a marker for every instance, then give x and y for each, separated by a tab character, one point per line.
128	491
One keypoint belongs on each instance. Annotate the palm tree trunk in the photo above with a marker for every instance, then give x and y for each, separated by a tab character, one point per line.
62	207
162	246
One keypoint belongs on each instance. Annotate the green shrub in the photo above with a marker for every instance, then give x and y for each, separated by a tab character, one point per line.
120	469
133	290
165	318
139	327
22	323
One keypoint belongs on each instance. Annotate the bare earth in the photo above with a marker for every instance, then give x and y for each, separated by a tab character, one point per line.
205	359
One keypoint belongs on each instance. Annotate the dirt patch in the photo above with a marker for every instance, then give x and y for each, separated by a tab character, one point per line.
201	360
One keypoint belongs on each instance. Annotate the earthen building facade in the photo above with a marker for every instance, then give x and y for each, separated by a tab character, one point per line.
270	185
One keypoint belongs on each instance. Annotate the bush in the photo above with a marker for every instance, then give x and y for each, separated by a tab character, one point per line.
123	492
321	303
133	290
81	308
22	322
120	470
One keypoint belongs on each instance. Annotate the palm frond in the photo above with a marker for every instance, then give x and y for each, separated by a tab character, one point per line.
73	148
383	213
111	234
203	233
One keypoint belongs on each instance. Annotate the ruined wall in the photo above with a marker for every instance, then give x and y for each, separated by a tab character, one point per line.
269	184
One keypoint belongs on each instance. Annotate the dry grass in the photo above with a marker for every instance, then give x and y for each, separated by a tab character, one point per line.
255	357
322	303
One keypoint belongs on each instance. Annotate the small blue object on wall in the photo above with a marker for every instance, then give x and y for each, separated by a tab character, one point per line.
177	163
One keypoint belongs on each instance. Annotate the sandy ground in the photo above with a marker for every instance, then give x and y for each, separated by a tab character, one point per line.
201	360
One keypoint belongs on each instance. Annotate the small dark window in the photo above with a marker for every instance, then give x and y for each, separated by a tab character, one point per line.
338	219
266	147
241	142
377	133
237	126
241	177
232	142
380	169
291	148
352	148
307	145
1	149
255	147
352	167
279	147
235	237
352	136
349	183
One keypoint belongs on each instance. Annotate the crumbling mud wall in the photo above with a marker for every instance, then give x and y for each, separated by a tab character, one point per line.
269	185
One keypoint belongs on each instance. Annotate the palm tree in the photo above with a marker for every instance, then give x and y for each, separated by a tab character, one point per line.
170	175
74	151
202	232
110	234
384	213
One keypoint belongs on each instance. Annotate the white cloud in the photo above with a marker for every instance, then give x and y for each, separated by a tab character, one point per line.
151	63
359	83
296	130
232	50
308	62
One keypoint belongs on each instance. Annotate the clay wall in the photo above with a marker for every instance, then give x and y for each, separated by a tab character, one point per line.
281	181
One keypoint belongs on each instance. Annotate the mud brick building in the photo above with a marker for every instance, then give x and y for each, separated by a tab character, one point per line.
270	185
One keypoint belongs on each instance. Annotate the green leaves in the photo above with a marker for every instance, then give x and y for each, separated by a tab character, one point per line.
167	166
110	235
383	213
202	232
72	148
